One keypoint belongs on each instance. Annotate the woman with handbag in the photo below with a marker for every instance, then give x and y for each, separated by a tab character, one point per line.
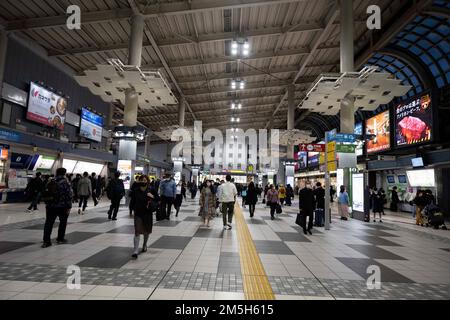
272	200
207	203
144	206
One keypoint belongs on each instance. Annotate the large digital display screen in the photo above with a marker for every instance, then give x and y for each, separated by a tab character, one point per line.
88	167
421	178
313	159
91	125
46	107
358	192
69	165
414	121
302	159
378	126
43	163
20	161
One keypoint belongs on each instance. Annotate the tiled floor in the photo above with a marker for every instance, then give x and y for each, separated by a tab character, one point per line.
187	261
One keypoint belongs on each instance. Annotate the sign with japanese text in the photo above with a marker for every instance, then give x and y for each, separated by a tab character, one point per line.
311	147
414	121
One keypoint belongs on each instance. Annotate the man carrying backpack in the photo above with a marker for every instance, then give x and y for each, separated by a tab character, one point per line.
115	192
58	199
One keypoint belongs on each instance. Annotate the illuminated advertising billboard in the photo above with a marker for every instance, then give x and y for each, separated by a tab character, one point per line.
414	121
91	125
313	159
46	107
379	127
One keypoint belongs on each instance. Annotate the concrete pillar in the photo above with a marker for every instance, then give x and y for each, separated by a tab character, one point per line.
3	49
131	108
109	124
134	58
347	112
347	49
347	116
135	45
181	111
291	118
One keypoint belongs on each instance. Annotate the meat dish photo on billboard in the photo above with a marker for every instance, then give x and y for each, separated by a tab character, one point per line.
414	121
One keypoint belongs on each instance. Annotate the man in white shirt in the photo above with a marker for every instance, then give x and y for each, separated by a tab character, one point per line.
227	196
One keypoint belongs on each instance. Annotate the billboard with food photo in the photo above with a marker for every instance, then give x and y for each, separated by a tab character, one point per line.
46	107
414	121
378	126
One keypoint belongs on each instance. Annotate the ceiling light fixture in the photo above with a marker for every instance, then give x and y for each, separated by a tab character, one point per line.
240	47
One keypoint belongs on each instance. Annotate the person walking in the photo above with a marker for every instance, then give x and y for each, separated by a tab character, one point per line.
93	188
252	198
143	208
289	195
272	200
378	203
343	203
167	191
394	199
183	190
98	188
75	187
383	200
319	199
57	195
244	195
115	191
193	190
84	190
282	194
227	197
34	191
179	197
306	205
207	203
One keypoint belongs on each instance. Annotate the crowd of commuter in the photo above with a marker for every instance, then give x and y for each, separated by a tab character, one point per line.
147	197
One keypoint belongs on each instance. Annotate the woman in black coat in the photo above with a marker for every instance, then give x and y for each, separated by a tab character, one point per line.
144	206
252	198
378	203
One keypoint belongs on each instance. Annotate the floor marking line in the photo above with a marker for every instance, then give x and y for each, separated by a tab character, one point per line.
256	284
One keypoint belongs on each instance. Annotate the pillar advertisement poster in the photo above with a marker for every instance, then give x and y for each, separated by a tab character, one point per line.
379	126
46	107
358	192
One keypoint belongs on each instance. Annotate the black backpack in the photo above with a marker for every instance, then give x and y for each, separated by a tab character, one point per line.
51	192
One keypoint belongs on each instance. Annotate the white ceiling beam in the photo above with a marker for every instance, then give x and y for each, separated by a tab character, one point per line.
205	38
331	17
248	86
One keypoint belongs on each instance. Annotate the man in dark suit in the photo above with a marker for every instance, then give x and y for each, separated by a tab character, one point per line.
306	204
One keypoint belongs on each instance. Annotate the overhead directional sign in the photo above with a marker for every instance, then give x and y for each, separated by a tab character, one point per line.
311	147
345	148
343	137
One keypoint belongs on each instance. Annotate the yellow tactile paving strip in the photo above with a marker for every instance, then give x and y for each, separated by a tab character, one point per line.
254	278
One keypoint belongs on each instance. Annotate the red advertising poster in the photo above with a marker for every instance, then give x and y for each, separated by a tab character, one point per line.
414	121
378	126
46	107
311	147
